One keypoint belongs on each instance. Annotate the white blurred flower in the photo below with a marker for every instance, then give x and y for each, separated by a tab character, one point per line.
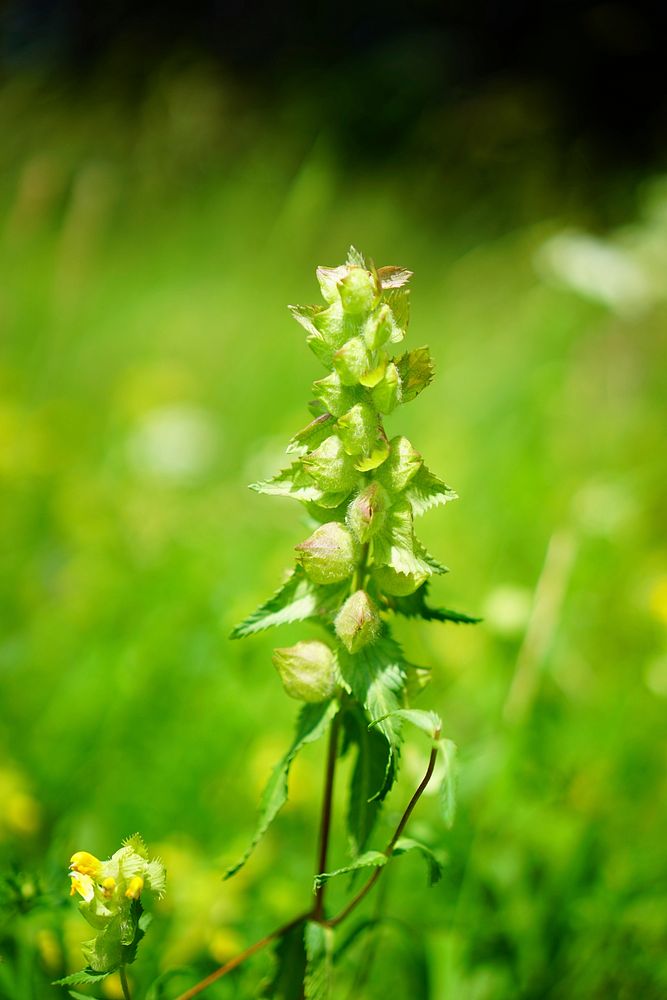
176	443
507	609
598	269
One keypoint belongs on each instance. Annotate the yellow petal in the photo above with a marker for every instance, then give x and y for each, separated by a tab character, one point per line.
133	890
85	863
83	884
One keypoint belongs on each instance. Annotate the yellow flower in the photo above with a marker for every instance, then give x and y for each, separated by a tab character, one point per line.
133	890
85	864
83	884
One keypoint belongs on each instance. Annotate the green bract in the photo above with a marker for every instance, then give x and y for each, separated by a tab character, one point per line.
362	563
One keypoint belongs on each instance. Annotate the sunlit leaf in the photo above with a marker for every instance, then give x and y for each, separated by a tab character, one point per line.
291	482
312	435
425	491
429	722
371	859
405	845
416	371
299	599
82	977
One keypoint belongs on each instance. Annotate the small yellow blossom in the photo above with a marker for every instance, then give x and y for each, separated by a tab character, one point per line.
111	890
83	884
133	890
85	864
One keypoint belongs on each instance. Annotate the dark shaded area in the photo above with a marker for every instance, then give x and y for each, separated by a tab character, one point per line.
384	78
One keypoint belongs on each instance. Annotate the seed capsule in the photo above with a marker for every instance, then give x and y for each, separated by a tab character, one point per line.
358	429
378	328
403	463
387	393
357	291
352	360
358	622
367	512
337	398
328	556
330	467
307	670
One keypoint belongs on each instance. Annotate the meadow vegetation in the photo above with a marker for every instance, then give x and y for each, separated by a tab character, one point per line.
149	371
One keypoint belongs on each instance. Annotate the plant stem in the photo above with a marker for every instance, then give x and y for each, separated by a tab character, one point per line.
124	983
325	822
360	572
316	913
238	959
365	889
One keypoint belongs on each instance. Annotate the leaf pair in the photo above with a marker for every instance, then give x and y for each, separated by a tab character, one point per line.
378	859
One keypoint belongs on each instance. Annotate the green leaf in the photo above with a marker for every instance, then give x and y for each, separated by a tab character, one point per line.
312	435
319	943
84	976
415	606
305	315
137	924
425	491
311	724
406	845
292	482
355	258
371	859
429	722
80	996
416	371
398	300
373	758
395	544
297	600
286	983
447	793
376	675
435	565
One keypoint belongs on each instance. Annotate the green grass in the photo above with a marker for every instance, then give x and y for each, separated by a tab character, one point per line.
149	371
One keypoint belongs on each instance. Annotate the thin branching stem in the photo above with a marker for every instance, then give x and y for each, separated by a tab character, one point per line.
365	889
314	913
233	963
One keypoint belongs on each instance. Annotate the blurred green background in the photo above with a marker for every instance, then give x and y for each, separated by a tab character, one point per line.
150	371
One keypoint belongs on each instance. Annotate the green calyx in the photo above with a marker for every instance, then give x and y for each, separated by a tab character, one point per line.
307	670
358	622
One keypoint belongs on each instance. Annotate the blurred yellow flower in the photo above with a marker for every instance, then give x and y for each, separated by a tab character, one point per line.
658	599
